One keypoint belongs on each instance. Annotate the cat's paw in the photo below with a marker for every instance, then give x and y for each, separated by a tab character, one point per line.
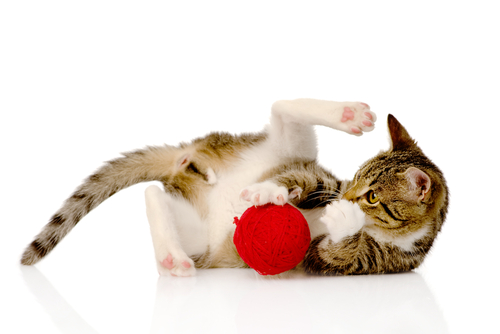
343	219
268	192
357	118
180	265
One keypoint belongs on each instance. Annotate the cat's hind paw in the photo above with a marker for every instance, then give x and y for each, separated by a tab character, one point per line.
343	219
176	266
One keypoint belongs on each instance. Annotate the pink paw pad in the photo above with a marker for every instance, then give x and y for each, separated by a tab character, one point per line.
244	194
186	264
368	115
347	115
367	123
281	200
257	198
168	262
364	104
355	130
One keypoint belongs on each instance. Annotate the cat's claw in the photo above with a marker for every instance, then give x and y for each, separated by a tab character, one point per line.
357	118
343	219
268	192
173	266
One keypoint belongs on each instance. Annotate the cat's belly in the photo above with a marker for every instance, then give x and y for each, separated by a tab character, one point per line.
223	199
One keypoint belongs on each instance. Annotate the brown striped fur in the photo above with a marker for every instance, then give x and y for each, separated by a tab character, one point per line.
184	178
381	246
399	230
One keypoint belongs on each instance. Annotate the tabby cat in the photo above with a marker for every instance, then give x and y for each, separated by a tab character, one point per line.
385	220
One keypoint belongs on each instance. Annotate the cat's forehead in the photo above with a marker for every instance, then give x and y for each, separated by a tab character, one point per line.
390	165
383	165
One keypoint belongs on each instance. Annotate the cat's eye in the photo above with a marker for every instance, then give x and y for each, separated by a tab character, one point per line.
371	197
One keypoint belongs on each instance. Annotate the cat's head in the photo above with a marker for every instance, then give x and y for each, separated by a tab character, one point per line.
401	190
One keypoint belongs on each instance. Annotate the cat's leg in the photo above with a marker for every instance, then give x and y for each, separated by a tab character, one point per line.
302	183
351	117
291	136
291	132
170	255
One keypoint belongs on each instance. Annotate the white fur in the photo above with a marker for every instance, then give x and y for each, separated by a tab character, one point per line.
224	201
316	227
326	113
265	192
176	227
211	177
406	243
343	219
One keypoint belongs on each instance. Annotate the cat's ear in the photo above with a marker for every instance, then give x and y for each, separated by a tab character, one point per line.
419	183
400	139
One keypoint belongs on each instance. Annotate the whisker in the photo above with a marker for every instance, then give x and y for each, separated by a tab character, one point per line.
329	194
328	199
320	204
316	195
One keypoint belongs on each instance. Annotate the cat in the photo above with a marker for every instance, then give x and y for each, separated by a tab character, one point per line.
385	220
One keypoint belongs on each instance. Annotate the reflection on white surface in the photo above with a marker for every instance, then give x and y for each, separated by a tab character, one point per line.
61	313
303	304
399	303
241	301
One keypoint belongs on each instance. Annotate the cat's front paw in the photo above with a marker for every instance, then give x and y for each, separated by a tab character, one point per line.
357	118
268	192
343	219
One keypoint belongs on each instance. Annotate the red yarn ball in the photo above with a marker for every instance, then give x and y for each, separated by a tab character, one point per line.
272	239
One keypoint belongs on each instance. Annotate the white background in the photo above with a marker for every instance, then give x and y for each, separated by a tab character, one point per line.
81	81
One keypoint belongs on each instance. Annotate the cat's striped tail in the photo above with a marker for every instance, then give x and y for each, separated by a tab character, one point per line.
150	164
